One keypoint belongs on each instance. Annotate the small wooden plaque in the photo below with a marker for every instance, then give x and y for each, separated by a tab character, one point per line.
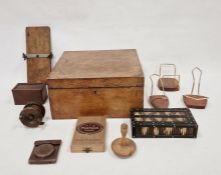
24	93
89	135
45	152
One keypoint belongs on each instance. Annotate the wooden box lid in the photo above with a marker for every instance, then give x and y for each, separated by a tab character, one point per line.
89	135
101	68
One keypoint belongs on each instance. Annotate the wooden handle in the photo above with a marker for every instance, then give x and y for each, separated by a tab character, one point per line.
124	130
124	127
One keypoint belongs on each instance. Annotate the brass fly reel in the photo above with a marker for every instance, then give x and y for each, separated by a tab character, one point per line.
32	115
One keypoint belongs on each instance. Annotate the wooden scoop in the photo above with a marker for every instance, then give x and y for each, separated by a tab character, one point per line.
123	147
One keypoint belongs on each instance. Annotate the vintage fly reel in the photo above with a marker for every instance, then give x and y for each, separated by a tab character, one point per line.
32	115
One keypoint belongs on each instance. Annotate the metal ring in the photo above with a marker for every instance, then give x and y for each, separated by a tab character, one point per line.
167	64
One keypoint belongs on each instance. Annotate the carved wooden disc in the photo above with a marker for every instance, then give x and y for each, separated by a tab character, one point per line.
195	101
159	101
123	148
44	150
168	84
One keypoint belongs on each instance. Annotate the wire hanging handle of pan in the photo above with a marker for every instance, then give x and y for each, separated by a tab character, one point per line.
169	75
194	80
152	84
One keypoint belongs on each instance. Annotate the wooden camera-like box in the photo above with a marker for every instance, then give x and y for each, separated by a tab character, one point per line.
163	123
96	83
24	93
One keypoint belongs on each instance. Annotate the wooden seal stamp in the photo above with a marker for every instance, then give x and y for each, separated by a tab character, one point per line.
123	147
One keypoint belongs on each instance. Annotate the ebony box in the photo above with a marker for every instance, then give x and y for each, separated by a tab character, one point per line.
163	123
24	93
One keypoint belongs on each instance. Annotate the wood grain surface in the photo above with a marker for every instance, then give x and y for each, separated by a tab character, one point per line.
168	84
94	142
102	68
195	101
159	101
86	83
38	42
113	102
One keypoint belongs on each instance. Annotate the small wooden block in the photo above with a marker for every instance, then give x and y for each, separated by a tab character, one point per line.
38	42
89	135
159	101
45	152
195	101
168	84
24	93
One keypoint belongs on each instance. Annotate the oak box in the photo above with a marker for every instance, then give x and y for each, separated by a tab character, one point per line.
91	83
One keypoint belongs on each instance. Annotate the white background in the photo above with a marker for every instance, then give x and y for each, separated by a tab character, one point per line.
184	32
